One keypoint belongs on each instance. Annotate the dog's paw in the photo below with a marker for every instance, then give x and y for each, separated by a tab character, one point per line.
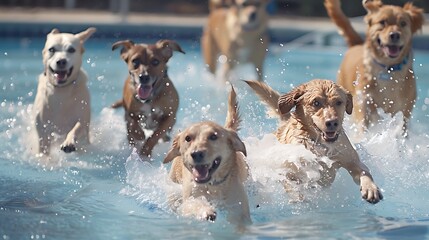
371	193
68	148
209	215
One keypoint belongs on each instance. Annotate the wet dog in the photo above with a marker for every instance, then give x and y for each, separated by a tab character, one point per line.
236	35
149	98
379	71
62	103
208	162
316	123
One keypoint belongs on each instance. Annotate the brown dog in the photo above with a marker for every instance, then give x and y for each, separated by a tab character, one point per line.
316	123
379	72
150	99
208	162
236	35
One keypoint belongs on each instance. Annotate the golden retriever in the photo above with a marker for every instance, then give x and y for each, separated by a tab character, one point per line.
236	34
208	162
379	71
316	123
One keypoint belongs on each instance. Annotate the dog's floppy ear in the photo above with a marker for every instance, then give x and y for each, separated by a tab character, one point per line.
372	6
289	100
167	47
416	15
126	45
83	36
174	150
349	103
236	142
349	100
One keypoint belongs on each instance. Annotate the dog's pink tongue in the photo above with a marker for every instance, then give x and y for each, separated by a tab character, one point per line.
392	51
60	75
144	91
200	172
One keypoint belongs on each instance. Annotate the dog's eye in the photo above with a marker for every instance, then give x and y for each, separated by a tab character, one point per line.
71	50
51	50
316	103
339	103
155	62
382	23
136	63
188	138
403	23
213	136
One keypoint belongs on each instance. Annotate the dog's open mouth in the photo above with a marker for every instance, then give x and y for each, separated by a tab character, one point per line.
203	173
144	91
61	76
330	136
392	51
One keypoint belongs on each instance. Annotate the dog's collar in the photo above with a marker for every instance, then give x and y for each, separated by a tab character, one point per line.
384	75
215	183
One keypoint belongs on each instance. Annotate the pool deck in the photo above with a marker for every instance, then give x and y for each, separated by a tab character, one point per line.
37	22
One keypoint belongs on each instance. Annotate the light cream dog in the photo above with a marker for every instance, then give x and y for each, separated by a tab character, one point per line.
239	34
316	123
149	97
208	162
379	71
62	103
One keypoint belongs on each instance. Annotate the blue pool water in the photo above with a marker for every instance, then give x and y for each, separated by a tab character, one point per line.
106	192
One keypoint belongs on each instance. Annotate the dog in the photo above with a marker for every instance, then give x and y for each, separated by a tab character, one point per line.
62	104
379	71
236	34
208	161
316	123
149	98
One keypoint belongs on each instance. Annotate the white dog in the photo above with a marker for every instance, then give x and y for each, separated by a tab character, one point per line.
62	103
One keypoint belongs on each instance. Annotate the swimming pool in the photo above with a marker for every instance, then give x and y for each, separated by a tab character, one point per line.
106	193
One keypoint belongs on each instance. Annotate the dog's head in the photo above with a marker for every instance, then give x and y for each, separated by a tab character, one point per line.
320	105
62	55
207	150
251	14
390	29
147	64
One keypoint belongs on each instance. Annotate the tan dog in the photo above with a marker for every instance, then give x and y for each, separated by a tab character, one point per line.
62	103
208	162
316	123
239	33
150	99
379	72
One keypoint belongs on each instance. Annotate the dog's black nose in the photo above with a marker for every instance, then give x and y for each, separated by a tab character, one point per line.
61	63
198	156
332	124
395	36
144	78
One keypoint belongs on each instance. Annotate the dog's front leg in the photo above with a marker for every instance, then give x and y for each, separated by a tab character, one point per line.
238	205
198	208
69	144
135	132
360	173
43	134
164	127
